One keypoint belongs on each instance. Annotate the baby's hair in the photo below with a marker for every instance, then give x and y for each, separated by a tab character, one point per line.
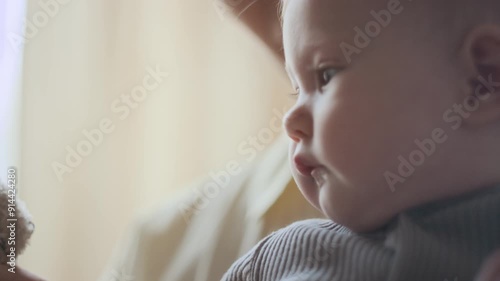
448	20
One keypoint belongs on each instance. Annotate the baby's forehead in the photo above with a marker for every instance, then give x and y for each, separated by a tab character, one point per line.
326	18
350	13
335	16
328	26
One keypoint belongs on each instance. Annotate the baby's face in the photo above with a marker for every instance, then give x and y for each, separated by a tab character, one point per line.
356	114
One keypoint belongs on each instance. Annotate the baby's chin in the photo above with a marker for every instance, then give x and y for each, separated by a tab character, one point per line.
352	209
349	206
309	190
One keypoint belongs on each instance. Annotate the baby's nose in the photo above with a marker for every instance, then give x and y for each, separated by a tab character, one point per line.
298	123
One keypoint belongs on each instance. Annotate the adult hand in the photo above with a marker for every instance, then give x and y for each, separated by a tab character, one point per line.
490	270
19	275
262	17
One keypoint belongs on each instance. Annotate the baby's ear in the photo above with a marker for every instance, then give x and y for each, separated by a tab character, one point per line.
481	55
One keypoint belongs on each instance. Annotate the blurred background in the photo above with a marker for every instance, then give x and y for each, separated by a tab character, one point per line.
109	108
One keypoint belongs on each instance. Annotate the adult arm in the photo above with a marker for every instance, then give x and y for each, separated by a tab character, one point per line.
19	275
490	271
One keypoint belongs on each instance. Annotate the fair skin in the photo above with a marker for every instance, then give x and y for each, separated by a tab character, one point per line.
352	119
490	270
262	19
19	275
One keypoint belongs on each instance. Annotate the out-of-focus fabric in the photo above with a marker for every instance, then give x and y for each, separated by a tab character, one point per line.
123	104
447	239
172	245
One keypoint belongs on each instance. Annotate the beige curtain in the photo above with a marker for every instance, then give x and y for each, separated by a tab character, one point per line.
124	102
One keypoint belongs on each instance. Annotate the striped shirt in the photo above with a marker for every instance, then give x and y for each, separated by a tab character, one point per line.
440	241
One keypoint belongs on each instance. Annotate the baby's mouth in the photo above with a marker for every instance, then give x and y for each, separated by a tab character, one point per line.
320	175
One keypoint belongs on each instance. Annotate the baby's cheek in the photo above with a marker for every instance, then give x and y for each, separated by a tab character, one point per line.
353	143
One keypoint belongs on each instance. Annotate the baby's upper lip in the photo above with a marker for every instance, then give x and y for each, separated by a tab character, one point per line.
304	164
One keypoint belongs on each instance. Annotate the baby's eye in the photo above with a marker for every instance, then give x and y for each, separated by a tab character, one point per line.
326	75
